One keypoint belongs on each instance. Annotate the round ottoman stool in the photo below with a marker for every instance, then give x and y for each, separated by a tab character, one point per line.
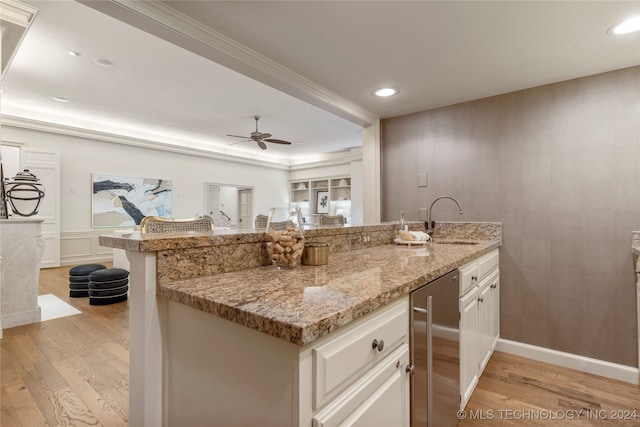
108	286
79	279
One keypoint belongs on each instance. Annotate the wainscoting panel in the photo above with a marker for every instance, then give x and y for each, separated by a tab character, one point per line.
81	247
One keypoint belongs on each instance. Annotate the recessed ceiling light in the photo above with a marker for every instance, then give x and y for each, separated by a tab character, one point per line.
628	26
59	99
73	53
103	62
383	92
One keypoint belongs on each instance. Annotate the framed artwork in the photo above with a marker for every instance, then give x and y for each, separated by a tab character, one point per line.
119	201
323	202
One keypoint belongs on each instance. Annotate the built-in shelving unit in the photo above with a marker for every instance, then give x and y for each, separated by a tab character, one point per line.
322	196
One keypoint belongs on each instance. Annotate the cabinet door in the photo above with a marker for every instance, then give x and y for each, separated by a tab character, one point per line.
485	322
495	309
380	398
468	345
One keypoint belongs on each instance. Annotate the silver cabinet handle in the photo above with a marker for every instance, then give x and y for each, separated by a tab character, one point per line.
474	277
480	299
378	345
410	369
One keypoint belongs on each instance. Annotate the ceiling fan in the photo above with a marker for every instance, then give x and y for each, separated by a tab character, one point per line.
259	137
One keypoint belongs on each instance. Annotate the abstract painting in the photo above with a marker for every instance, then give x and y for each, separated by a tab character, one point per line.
119	201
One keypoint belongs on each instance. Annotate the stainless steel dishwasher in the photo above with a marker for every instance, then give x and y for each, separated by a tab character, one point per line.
435	353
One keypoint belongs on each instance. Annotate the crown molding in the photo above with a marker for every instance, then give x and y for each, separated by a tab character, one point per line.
19	122
165	22
330	159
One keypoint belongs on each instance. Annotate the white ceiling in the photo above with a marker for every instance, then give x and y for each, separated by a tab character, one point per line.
436	53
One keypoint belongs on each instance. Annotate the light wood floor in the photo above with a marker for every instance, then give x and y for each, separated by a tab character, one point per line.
75	371
68	371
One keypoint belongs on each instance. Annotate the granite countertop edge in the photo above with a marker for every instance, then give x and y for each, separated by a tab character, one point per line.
134	241
273	301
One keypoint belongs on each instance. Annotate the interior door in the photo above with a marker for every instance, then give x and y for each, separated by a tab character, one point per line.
213	203
245	199
44	164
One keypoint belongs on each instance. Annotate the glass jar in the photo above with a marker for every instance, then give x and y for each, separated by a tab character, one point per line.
285	237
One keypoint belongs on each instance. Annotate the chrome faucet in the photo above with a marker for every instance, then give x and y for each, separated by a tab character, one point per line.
431	225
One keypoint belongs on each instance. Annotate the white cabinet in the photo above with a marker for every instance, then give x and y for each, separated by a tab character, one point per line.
489	317
479	306
322	196
379	398
349	354
238	376
359	376
468	344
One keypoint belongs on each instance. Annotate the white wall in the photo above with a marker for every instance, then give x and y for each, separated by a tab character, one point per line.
321	172
80	157
559	166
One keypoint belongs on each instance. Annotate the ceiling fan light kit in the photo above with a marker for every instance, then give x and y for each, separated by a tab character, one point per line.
259	137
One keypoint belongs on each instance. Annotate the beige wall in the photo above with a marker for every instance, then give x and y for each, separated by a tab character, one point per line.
559	166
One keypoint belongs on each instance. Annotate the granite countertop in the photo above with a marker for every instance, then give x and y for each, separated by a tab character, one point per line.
303	304
135	241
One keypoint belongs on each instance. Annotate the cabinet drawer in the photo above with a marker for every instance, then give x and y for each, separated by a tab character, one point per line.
487	263
340	361
468	277
380	398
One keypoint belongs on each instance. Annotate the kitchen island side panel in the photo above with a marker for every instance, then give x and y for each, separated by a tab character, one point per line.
222	373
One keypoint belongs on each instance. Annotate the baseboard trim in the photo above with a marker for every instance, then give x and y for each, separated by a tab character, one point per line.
573	361
85	260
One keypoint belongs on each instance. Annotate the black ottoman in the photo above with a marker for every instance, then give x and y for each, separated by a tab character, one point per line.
79	279
108	286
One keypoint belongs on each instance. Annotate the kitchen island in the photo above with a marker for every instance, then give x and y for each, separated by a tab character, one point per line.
217	336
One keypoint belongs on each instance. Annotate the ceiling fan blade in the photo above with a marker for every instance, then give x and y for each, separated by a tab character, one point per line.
264	135
261	144
238	136
278	141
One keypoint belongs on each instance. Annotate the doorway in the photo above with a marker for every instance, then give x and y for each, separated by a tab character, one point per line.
230	206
